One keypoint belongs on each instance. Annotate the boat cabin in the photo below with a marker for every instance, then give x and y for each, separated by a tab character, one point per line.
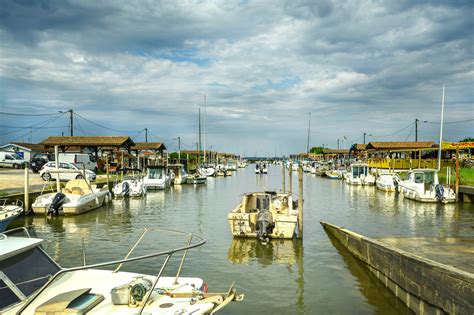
156	172
426	177
24	268
359	169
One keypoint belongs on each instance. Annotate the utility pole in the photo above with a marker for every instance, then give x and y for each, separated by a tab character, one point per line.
309	130
364	137
199	138
338	144
179	149
146	134
205	128
416	129
72	121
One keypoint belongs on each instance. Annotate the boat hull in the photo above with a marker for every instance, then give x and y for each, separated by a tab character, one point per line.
75	208
242	225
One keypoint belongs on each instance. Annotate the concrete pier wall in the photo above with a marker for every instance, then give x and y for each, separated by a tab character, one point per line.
425	286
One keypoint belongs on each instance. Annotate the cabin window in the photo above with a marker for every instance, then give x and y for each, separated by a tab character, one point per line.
419	178
29	271
429	178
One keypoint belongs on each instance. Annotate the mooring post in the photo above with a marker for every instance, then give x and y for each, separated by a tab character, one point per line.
290	179
283	177
107	172
457	174
27	192
300	201
56	158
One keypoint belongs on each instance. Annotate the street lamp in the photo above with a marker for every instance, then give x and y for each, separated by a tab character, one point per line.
365	134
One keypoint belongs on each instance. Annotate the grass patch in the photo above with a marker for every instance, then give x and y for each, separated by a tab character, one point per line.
466	176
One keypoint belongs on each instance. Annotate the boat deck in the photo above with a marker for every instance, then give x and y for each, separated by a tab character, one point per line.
456	252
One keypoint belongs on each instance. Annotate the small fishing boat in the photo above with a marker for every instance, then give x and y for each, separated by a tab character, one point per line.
322	169
423	185
387	182
207	170
220	170
42	286
359	175
242	164
332	174
9	212
264	215
132	185
157	177
258	168
264	169
228	173
178	173
294	167
231	165
197	178
77	197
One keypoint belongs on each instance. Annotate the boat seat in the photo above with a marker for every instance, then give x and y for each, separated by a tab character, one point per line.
72	185
73	302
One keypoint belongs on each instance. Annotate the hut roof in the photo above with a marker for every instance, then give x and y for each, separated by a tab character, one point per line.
335	151
410	145
361	146
152	146
31	146
93	141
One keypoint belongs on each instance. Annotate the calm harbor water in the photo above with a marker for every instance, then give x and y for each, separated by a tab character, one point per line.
310	276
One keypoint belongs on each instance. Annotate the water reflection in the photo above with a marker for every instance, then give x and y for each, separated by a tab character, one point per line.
276	251
373	290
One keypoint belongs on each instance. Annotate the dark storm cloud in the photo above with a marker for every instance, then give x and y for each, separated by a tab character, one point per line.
358	66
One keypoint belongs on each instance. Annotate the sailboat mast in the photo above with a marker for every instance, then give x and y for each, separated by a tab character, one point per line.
204	128
441	131
199	137
309	129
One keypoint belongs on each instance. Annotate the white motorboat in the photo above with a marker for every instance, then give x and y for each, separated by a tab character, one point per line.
77	197
423	185
294	167
359	175
179	173
258	169
242	164
42	286
387	182
264	215
220	170
231	165
207	170
264	169
132	185
157	177
9	212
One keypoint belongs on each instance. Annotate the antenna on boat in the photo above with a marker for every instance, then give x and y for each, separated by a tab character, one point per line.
441	131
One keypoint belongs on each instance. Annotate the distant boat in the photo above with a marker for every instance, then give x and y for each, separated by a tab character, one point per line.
387	182
264	169
359	175
264	215
258	168
178	173
132	185
157	177
9	212
423	185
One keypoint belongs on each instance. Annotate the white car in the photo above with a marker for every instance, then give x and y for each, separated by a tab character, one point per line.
67	171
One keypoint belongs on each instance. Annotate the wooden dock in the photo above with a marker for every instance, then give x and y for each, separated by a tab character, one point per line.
424	285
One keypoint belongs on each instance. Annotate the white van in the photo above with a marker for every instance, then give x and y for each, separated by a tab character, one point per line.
11	159
80	158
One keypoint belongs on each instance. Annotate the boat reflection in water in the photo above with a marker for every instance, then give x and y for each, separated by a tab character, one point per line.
285	252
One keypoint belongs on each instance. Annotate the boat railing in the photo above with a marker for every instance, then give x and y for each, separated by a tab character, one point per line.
168	253
21	228
4	201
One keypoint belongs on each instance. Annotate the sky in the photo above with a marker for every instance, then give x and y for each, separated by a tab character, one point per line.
357	66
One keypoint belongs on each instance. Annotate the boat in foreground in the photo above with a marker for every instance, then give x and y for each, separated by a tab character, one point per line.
77	197
157	177
41	286
9	212
264	215
423	185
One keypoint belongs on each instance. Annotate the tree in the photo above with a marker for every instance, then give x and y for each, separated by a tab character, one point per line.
467	140
316	150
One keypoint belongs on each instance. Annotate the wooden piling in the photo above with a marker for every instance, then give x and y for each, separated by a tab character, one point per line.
290	179
457	174
27	191
107	171
300	201
283	177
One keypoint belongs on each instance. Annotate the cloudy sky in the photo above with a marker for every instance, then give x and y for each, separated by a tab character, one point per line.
357	66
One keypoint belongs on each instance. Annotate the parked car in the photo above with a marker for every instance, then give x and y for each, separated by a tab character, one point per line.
11	159
67	171
40	159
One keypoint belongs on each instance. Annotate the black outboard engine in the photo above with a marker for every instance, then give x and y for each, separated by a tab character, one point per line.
125	189
439	189
265	224
57	204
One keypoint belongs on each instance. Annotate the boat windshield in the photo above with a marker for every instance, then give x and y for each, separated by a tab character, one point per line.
359	170
23	274
155	173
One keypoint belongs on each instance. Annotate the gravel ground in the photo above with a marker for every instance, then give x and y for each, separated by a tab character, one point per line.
15	178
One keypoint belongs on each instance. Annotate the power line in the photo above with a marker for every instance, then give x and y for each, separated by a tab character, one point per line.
38	127
26	127
448	123
391	134
34	126
23	114
101	126
409	134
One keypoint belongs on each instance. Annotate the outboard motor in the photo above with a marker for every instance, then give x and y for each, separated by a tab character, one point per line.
57	203
395	183
265	224
125	189
439	189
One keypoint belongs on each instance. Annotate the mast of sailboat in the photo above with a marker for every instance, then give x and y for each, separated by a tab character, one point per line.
199	138
204	128
309	129
441	131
